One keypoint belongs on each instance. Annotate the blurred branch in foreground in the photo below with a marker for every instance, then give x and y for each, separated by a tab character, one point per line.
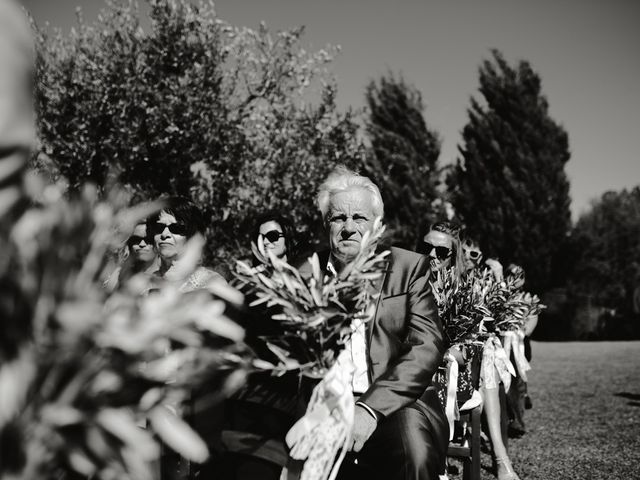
99	364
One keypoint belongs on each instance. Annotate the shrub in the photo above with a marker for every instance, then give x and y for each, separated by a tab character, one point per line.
237	119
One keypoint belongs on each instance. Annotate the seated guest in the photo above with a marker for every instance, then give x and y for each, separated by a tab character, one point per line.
274	233
471	253
137	256
473	258
493	410
441	243
400	430
140	247
518	397
259	416
171	228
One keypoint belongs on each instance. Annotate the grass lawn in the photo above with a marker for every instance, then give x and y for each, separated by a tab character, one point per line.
585	421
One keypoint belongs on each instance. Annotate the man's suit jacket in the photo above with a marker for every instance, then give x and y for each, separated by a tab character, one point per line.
404	339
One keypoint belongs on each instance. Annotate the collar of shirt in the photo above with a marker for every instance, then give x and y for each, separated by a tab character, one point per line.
330	268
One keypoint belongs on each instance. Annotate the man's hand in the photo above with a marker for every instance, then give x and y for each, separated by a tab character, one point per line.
363	426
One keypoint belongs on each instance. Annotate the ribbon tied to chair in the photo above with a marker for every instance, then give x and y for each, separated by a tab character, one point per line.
495	360
451	405
324	433
514	342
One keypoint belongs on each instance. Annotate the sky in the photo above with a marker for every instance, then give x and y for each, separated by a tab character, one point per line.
587	53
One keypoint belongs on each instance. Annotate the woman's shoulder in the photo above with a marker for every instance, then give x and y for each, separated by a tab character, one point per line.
202	277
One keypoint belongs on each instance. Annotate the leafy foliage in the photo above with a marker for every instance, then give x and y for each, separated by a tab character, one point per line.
607	250
403	157
509	186
461	307
191	105
99	363
509	305
478	305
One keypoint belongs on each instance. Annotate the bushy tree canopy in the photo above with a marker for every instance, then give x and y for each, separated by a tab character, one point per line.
237	119
509	186
403	157
607	244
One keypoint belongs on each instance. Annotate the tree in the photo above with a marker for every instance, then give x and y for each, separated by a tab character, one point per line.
192	105
403	157
509	186
607	244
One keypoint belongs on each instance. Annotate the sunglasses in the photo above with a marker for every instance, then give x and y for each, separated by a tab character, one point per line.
137	239
441	252
273	236
473	254
175	228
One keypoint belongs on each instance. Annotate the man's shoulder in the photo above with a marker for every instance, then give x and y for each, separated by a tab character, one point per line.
201	278
407	259
403	253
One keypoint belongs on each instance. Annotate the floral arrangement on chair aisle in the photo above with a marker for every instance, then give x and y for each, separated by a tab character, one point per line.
510	308
464	316
314	319
461	307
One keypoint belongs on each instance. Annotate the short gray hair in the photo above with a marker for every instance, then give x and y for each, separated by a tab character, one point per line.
342	179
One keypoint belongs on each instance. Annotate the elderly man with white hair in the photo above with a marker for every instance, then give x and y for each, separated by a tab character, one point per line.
400	429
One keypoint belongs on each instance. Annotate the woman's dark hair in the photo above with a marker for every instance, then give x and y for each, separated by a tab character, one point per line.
186	213
290	235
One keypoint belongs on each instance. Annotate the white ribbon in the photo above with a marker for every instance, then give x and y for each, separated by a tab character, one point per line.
495	359
451	405
326	428
473	402
514	341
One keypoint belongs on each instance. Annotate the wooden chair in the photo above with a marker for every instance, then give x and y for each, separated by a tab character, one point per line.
467	447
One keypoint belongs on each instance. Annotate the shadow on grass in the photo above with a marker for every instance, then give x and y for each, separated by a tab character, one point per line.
634	397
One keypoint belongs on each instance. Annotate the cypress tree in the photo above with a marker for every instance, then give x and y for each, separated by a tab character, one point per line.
509	185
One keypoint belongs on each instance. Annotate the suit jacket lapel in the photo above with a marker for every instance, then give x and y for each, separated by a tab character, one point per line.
377	288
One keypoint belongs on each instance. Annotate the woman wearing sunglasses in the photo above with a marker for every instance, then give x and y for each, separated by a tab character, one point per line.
264	409
471	253
442	245
137	256
473	258
170	229
140	248
272	233
445	249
